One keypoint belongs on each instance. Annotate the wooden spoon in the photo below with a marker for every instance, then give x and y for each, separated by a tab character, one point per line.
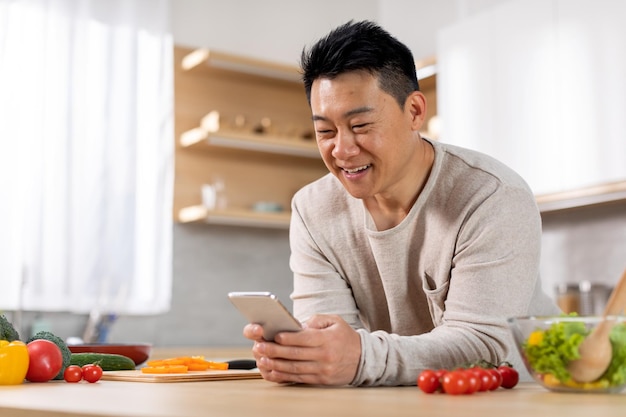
595	350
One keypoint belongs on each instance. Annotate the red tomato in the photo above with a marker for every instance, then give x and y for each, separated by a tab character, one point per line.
510	376
496	379
473	382
92	373
440	373
455	383
73	373
45	360
484	378
428	381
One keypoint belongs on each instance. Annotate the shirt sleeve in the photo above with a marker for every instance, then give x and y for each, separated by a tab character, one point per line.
319	287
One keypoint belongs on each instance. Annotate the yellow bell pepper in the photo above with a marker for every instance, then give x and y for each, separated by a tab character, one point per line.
14	362
535	338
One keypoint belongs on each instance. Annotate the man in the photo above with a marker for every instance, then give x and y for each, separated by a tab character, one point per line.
411	253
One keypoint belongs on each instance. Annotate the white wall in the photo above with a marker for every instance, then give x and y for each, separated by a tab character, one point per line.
277	30
416	22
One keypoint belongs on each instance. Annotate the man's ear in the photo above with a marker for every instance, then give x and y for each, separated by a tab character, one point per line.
416	108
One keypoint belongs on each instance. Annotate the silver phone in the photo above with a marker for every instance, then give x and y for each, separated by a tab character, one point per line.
265	308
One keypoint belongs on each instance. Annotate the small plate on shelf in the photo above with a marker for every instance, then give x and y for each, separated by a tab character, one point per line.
139	353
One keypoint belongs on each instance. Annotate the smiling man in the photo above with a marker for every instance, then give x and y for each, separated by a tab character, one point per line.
410	254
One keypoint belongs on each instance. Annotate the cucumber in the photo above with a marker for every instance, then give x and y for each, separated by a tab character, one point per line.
107	361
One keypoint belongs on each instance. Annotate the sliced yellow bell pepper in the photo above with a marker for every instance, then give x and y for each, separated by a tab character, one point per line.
14	362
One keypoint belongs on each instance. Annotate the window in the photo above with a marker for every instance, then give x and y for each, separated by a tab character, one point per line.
86	155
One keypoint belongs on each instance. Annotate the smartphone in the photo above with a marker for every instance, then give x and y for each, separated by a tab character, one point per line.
265	309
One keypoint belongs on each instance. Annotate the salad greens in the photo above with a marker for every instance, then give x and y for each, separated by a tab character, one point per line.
549	351
616	372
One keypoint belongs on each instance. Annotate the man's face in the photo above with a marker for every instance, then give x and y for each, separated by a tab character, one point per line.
365	138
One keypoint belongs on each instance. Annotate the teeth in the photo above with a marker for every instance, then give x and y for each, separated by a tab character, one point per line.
354	170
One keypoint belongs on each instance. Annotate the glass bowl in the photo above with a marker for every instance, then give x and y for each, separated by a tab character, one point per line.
547	344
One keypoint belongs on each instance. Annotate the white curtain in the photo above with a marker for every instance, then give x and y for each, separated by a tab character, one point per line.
86	155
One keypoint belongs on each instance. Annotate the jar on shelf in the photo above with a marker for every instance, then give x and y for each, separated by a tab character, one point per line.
593	298
568	297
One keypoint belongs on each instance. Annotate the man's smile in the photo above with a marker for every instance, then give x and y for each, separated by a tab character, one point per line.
356	170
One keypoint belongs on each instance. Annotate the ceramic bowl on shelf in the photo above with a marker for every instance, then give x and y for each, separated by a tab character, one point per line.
547	345
139	353
267	206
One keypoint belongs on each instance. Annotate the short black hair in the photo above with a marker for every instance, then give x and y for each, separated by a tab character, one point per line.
365	46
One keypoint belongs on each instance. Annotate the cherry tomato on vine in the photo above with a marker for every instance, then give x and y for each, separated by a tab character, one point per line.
510	376
440	373
428	381
468	380
455	382
92	373
496	379
473	382
484	378
73	373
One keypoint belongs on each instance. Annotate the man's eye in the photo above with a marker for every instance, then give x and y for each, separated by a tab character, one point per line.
360	126
324	133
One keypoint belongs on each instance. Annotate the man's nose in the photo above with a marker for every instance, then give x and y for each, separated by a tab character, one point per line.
345	145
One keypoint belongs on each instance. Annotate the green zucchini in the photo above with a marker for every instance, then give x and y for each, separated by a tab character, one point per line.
107	361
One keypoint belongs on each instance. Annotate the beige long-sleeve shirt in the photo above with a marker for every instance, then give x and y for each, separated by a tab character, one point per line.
434	291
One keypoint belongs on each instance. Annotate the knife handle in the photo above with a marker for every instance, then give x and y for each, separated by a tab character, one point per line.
242	364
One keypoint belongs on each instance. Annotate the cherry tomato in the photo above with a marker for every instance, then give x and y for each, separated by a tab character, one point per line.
510	376
440	373
455	383
73	373
473	382
428	381
92	373
45	360
496	379
484	378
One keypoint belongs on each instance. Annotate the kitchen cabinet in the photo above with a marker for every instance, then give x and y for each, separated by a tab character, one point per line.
539	85
243	133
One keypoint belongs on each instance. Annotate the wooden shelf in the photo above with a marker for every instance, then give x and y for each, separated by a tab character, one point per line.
203	59
584	197
235	217
197	137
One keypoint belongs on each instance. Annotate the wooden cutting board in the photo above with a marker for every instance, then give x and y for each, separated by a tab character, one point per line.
215	375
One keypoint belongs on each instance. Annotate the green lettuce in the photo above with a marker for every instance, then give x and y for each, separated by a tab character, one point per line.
556	349
616	372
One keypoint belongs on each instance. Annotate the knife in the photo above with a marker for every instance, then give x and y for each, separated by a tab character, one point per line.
247	364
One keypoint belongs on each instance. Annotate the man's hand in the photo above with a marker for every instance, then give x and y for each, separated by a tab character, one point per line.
326	352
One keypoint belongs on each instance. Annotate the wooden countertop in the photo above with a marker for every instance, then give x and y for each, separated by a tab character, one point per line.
260	398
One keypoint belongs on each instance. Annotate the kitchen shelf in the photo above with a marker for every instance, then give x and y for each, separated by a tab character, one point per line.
235	217
197	137
204	59
584	197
